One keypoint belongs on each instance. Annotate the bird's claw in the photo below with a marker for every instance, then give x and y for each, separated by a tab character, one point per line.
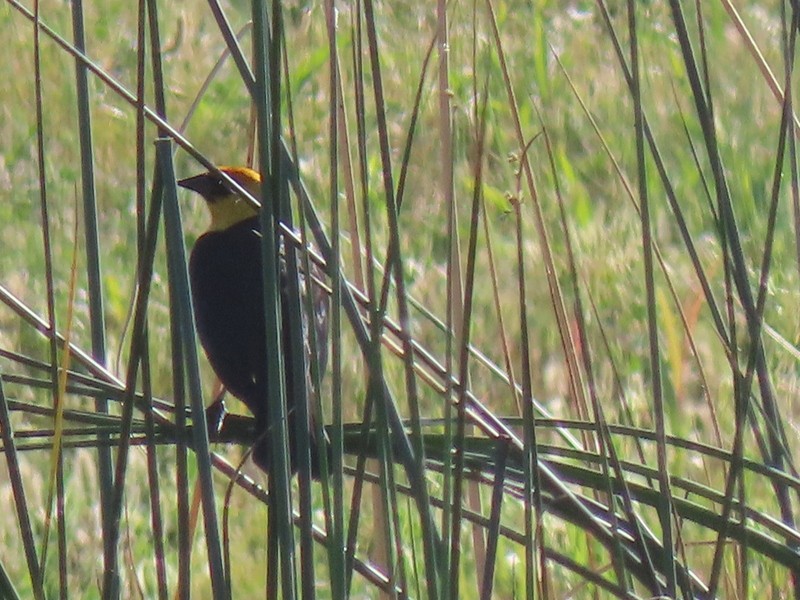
215	416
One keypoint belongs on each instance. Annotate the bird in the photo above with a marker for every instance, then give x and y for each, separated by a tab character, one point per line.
226	280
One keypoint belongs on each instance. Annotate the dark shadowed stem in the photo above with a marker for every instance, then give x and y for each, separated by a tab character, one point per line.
182	303
57	472
665	508
92	241
431	543
266	96
158	85
493	533
739	270
20	502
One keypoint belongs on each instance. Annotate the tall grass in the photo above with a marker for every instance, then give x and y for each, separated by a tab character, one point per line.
562	246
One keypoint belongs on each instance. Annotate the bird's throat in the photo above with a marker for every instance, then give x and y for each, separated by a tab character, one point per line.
228	211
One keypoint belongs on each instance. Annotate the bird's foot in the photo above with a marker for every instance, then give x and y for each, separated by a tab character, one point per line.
215	416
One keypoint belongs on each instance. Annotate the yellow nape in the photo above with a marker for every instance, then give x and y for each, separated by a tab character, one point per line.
245	177
230	210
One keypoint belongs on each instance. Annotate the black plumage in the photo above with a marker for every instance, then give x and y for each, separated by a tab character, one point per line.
226	275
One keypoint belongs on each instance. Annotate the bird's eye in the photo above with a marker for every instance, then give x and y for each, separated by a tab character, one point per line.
222	187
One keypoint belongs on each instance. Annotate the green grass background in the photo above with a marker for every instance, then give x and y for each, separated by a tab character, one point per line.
546	44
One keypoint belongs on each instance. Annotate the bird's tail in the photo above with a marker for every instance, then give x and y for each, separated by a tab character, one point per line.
262	451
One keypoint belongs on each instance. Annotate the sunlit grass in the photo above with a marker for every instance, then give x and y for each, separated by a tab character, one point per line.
566	79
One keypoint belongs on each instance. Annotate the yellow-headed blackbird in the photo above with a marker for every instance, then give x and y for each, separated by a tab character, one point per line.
227	292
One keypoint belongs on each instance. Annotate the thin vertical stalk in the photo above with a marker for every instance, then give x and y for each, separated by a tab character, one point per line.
266	96
380	312
493	532
333	522
454	313
382	545
292	313
775	454
463	364
394	425
789	49
18	490
152	467
736	472
473	497
526	171
336	549
384	548
534	544
296	349
181	467
665	505
61	393
93	266
430	542
57	465
182	305
385	499
606	450
233	46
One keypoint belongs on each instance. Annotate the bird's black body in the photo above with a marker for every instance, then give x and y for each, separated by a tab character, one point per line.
227	291
225	270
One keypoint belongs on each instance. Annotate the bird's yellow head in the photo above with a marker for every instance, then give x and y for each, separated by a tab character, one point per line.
227	207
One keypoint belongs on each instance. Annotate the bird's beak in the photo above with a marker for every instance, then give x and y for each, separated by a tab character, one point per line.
198	183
